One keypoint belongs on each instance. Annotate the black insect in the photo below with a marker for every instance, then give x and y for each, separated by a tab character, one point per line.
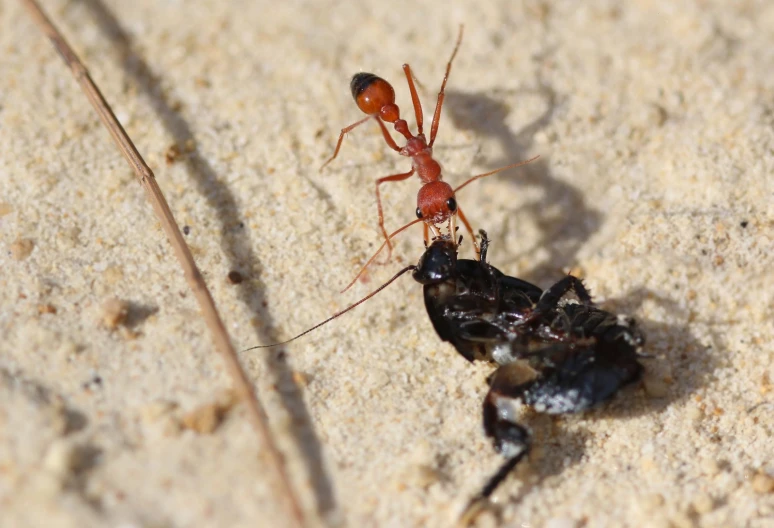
554	354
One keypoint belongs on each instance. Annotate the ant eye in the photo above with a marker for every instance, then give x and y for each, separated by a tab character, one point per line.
419	212
451	203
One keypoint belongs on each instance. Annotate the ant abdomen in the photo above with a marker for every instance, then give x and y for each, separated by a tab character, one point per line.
374	96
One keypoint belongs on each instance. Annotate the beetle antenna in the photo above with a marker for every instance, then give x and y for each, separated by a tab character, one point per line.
337	314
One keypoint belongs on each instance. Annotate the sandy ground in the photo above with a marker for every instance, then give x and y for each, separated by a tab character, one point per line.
654	123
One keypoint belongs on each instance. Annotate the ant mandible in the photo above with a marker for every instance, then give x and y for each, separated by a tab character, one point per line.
436	200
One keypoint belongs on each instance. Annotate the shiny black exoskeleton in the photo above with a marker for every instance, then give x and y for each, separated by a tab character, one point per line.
554	353
470	303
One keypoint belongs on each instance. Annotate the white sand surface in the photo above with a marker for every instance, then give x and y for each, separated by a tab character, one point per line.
654	120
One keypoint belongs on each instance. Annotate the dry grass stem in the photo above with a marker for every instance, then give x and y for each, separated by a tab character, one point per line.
222	342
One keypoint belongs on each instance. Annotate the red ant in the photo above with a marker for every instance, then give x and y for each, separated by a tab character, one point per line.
436	201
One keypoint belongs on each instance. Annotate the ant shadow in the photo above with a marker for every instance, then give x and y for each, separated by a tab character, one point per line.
237	249
564	219
676	354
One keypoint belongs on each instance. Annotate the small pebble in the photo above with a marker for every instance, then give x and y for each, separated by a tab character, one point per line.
234	277
425	476
114	313
172	154
300	379
22	248
156	410
46	309
765	384
762	483
61	458
206	418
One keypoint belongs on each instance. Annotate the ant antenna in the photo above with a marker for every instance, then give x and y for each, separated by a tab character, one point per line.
511	166
378	251
342	312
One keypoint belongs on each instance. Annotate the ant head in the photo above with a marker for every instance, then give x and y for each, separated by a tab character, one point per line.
436	202
437	263
374	96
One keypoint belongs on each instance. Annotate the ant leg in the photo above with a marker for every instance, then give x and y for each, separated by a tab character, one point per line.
341	138
387	137
394	177
470	230
418	82
414	98
442	92
344	131
393	234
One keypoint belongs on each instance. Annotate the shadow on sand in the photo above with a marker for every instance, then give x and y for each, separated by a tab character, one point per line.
224	206
563	218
